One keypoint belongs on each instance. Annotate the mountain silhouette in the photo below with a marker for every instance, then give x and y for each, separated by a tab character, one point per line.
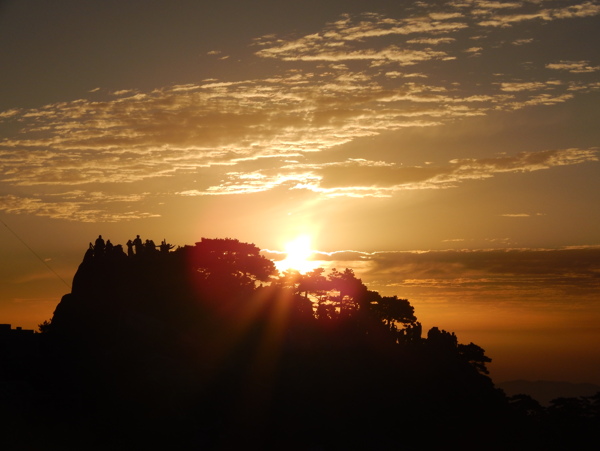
209	346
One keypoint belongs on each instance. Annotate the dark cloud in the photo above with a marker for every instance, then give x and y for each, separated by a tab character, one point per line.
569	275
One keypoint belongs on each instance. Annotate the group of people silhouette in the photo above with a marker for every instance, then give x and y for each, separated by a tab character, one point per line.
102	248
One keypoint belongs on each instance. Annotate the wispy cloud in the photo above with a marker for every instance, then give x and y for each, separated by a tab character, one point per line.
76	206
363	178
346	81
545	10
521	215
344	40
575	67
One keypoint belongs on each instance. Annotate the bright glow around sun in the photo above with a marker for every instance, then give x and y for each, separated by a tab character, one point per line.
298	254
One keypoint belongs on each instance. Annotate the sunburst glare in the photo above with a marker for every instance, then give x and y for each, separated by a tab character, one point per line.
299	255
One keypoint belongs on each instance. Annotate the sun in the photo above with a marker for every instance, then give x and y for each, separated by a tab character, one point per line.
298	253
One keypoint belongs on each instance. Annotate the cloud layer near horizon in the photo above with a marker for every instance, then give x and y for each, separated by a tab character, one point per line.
563	278
359	76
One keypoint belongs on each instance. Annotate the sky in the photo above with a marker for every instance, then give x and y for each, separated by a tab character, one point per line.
445	151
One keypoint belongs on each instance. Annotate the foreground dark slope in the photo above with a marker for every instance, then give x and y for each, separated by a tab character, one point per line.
204	346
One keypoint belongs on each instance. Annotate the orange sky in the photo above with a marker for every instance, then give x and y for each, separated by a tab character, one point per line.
447	151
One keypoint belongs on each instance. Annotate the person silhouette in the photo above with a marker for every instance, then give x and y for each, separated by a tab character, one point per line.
150	246
139	246
165	247
99	246
129	248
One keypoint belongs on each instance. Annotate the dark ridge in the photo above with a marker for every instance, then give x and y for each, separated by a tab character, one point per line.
546	391
208	346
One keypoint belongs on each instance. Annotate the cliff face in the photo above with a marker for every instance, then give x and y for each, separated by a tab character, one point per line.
149	292
114	293
118	340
